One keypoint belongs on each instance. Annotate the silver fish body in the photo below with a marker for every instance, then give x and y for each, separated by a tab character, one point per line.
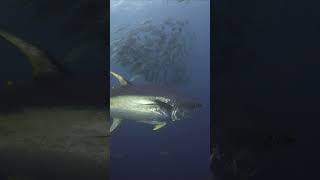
148	104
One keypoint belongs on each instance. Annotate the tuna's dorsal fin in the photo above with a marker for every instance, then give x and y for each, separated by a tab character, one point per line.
42	64
123	81
115	124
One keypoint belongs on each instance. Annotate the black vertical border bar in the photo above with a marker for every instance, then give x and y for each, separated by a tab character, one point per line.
107	37
107	74
215	73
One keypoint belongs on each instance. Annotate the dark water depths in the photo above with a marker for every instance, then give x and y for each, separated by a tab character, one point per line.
22	155
181	150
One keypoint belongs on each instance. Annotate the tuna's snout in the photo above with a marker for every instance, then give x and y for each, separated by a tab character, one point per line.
184	111
193	106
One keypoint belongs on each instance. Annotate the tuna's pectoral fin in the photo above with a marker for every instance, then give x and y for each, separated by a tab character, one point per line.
159	126
115	124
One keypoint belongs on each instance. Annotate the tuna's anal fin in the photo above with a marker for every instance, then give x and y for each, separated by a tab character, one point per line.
123	81
115	124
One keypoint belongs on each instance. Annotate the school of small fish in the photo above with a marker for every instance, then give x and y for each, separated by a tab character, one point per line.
157	52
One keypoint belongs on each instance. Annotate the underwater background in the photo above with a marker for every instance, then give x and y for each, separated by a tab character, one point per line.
51	143
181	150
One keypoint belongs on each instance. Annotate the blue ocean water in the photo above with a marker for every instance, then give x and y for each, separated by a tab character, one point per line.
182	150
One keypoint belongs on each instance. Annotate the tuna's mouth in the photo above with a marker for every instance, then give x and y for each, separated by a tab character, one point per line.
184	112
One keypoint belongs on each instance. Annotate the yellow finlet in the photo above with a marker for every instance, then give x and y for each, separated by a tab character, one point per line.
158	126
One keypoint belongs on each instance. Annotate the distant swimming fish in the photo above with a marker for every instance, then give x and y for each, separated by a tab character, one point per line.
153	46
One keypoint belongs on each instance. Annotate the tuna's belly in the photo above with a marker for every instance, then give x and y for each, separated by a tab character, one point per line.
137	109
134	114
